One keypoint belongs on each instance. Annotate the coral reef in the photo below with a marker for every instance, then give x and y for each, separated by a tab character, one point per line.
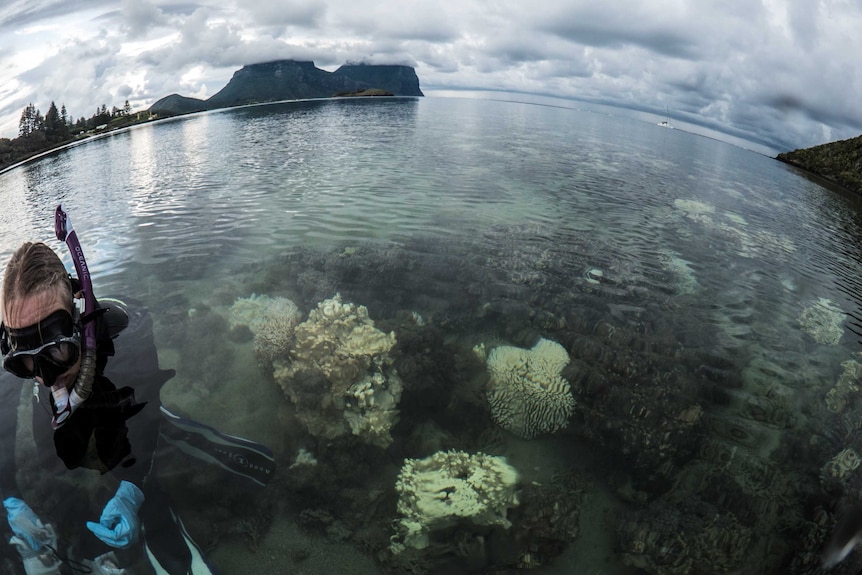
716	444
526	392
339	374
448	489
823	321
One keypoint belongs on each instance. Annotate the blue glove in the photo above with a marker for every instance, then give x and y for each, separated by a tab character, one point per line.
119	526
26	526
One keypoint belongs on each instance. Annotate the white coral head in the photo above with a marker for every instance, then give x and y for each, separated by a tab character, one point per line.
526	393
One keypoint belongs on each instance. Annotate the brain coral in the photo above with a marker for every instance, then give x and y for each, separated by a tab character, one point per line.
526	392
449	488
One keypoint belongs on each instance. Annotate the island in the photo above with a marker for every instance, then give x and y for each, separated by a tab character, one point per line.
274	81
296	80
838	162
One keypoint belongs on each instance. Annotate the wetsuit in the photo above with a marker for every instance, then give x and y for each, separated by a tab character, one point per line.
115	430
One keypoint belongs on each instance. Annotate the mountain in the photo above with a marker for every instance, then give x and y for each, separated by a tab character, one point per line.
176	104
399	80
840	162
295	80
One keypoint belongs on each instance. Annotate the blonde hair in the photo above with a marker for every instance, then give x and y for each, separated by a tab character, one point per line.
34	268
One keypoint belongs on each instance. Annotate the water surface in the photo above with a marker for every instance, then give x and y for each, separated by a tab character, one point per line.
708	298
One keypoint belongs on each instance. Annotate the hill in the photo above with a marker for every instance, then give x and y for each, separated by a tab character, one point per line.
176	104
839	162
399	80
295	80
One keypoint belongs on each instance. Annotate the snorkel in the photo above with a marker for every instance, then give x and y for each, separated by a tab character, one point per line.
66	403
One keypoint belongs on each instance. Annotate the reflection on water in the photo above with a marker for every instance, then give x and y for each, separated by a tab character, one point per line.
698	306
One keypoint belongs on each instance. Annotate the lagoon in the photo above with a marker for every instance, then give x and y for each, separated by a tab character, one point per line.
707	298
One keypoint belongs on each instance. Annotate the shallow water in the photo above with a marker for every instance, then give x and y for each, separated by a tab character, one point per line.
685	278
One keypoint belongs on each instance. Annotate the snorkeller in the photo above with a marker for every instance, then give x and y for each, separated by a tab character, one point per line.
73	346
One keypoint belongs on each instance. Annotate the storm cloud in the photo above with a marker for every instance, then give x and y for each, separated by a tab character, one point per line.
779	73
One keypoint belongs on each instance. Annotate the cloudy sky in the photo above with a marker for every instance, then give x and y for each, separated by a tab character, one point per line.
784	73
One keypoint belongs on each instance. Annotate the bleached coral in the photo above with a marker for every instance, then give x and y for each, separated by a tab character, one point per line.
449	488
686	280
340	341
271	320
847	386
339	374
303	458
371	408
841	465
526	392
823	321
255	309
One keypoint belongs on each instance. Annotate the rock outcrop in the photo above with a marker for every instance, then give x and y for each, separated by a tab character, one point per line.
295	80
839	162
399	80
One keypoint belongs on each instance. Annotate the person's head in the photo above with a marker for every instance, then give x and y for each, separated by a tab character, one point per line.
41	335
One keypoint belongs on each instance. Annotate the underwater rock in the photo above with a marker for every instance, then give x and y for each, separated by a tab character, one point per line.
449	489
547	520
526	392
339	374
822	320
669	541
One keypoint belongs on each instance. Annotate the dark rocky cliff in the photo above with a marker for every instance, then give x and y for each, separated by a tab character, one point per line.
295	80
839	162
399	80
281	80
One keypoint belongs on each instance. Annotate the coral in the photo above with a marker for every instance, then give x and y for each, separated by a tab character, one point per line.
340	341
451	488
685	278
271	320
372	406
255	309
847	385
339	374
526	393
839	466
303	457
822	320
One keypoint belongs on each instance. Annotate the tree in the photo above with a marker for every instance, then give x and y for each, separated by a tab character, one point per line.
127	109
102	116
54	125
31	121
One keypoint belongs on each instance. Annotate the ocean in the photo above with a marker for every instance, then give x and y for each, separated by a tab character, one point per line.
344	281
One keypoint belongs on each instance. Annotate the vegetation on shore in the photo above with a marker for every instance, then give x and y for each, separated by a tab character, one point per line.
38	133
255	83
839	162
370	92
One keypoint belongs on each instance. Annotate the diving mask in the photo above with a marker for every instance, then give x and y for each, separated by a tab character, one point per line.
46	349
